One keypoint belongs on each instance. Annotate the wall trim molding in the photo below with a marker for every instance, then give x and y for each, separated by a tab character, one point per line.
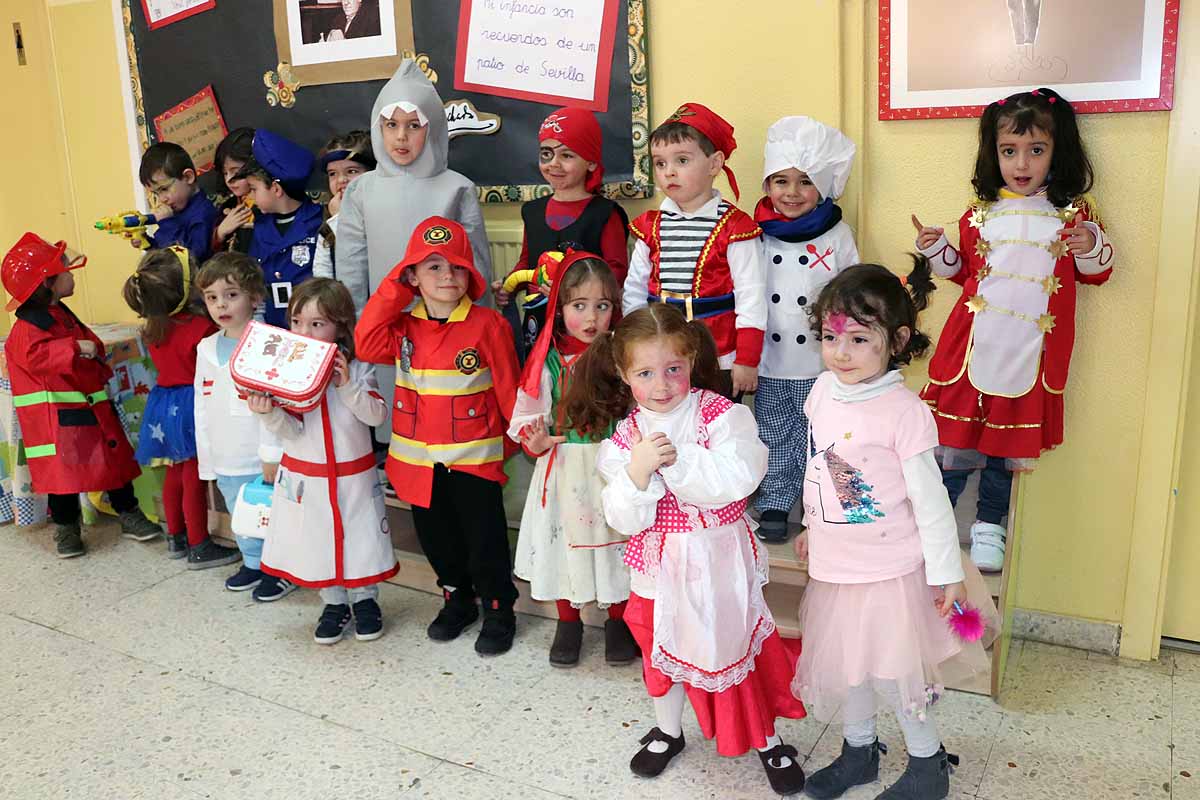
1082	634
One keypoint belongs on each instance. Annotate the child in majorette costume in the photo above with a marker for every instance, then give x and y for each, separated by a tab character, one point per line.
699	252
885	570
162	292
574	216
805	244
565	549
997	378
329	528
679	469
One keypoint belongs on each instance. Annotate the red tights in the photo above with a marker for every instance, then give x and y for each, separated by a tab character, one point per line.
568	613
184	503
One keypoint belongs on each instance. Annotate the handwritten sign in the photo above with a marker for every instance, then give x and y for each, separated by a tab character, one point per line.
164	12
196	125
463	118
548	51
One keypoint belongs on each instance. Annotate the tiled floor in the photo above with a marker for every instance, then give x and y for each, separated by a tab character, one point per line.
124	676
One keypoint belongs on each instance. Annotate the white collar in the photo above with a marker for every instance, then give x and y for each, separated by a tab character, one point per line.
709	209
867	390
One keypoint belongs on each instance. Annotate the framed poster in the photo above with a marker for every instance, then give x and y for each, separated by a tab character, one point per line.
946	58
559	54
196	125
342	41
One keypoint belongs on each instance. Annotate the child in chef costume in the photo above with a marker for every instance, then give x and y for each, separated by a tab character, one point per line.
805	244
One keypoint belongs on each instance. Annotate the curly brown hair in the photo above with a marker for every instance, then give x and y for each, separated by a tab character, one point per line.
158	287
597	396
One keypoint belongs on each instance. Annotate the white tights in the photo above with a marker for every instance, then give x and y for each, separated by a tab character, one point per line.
921	737
668	713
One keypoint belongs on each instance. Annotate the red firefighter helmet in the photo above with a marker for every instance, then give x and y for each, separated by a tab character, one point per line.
30	261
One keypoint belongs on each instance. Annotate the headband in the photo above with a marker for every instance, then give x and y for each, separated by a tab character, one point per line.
364	158
182	254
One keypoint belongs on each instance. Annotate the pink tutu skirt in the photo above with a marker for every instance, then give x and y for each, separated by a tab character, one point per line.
742	716
886	635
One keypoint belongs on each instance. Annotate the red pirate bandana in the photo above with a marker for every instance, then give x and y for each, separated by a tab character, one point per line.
578	129
716	129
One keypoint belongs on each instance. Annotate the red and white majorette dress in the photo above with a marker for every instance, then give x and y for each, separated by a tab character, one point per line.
997	378
696	606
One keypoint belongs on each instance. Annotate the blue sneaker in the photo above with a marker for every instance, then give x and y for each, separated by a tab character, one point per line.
244	579
273	588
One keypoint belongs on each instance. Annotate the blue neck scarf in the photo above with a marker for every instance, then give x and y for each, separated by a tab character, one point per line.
801	229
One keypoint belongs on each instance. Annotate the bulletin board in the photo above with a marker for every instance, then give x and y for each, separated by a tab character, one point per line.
228	48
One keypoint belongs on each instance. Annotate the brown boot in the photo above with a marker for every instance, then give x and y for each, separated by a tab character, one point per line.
619	645
568	639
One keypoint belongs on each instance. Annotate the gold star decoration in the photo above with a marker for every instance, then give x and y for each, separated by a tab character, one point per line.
1045	323
976	304
982	248
978	217
1051	284
847	435
984	271
1058	249
1068	213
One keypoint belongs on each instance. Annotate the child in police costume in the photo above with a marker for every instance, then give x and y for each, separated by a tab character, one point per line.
285	233
456	382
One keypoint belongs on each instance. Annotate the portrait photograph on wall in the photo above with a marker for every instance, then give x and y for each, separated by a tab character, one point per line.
340	41
943	58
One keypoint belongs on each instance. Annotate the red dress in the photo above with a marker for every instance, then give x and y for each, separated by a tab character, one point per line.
997	378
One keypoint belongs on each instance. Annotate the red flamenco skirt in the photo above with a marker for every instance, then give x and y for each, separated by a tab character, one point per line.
1004	427
742	717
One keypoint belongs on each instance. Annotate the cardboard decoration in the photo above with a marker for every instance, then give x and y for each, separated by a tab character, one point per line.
558	54
163	12
352	60
293	369
196	125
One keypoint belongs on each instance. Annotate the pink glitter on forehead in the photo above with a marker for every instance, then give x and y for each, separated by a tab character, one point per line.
837	322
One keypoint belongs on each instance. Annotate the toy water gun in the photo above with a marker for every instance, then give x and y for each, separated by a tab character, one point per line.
129	224
540	275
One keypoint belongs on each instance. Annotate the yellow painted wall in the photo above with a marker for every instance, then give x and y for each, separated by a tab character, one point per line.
817	58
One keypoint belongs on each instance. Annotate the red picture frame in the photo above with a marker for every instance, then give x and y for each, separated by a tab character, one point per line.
196	9
205	94
1162	101
599	103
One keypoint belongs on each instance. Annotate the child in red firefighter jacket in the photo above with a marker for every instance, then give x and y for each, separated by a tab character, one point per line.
456	382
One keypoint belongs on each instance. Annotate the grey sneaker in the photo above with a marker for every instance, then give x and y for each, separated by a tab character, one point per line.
134	525
68	542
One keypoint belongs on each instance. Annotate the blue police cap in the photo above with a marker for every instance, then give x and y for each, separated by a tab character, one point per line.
284	160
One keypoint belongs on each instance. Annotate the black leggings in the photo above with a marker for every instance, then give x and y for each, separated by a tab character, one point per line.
64	508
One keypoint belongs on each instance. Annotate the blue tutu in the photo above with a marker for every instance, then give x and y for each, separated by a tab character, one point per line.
168	432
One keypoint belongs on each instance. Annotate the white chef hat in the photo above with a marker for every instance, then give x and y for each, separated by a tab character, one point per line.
824	153
387	111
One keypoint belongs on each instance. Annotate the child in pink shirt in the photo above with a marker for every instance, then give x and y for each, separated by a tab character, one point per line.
884	564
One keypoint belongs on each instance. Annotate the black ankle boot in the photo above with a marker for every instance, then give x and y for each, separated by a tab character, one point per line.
459	611
854	767
923	778
568	639
498	629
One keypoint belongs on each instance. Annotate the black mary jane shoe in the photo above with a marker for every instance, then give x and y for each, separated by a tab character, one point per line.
649	764
782	765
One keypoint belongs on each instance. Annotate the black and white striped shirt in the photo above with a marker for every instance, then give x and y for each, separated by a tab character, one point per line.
681	238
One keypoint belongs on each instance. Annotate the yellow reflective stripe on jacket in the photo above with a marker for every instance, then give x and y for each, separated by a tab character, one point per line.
37	398
444	382
40	450
480	451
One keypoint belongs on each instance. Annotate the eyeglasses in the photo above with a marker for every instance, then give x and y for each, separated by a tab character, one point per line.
159	191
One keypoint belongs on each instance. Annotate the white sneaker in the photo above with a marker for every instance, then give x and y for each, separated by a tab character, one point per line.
987	546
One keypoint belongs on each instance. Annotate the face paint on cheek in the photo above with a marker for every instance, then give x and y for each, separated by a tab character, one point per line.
837	323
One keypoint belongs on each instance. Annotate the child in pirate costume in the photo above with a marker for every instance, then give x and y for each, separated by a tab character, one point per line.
575	216
699	252
456	381
805	244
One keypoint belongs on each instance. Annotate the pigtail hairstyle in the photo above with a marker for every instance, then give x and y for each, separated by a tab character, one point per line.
156	291
872	295
597	397
1071	173
335	303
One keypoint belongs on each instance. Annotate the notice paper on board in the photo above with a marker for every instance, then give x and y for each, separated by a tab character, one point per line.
557	52
196	125
164	12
